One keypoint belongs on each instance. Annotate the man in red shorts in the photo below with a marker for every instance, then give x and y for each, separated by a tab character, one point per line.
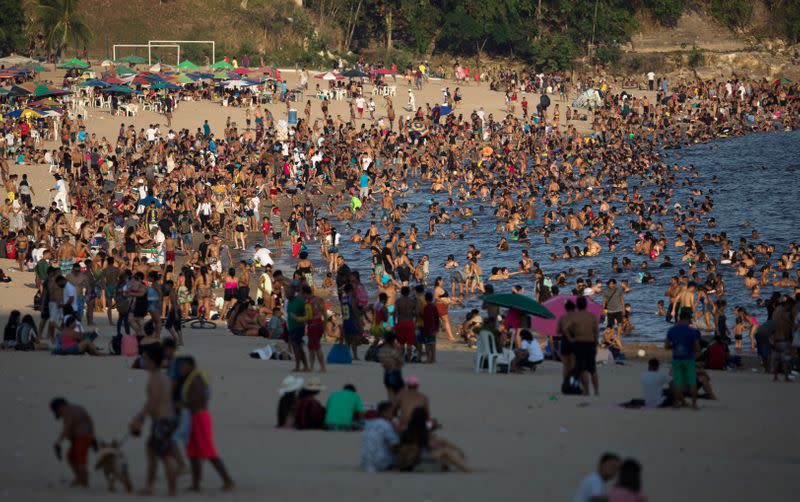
406	309
194	395
79	429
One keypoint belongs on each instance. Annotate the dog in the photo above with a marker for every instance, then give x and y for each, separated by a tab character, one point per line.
111	461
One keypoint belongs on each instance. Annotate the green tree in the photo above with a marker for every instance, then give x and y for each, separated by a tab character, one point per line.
785	18
666	12
11	22
62	24
732	13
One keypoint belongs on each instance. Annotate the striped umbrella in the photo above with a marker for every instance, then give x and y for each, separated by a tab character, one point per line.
418	127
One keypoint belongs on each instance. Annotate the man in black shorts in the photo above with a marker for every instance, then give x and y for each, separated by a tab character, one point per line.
583	329
614	305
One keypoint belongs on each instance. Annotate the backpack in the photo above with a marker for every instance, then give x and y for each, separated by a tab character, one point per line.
572	385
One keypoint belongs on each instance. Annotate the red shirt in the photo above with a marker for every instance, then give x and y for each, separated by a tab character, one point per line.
430	319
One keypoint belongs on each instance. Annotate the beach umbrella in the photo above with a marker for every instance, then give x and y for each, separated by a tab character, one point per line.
45	103
30	113
556	305
18	90
187	65
36	67
200	75
74	64
184	79
241	71
94	82
124	70
522	303
445	110
165	85
132	59
418	127
119	89
354	73
222	65
4	91
42	90
106	63
221	75
383	71
329	76
112	80
15	59
236	84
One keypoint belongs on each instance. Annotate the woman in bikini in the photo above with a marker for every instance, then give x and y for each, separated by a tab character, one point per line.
203	293
442	301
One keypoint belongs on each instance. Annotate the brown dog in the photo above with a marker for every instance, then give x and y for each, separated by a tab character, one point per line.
111	461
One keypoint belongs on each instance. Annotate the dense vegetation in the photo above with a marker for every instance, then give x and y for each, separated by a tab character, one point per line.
548	32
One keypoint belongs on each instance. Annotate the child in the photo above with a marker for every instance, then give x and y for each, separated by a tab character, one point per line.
277	325
661	310
328	282
79	430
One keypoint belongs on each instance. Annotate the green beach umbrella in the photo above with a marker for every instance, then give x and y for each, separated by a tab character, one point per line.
523	303
221	75
120	89
73	64
187	65
124	70
4	91
185	79
133	59
222	65
35	67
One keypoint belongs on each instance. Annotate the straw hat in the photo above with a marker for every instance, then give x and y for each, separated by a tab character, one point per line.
314	384
290	384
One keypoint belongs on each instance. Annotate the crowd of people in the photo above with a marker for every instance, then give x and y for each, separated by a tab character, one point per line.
157	223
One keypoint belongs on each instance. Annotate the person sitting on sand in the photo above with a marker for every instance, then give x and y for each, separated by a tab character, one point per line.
420	449
79	430
27	337
528	355
309	413
71	341
629	484
409	399
343	410
287	404
593	487
245	320
379	440
653	382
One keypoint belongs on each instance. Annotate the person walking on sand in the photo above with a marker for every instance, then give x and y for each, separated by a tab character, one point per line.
79	430
684	341
295	312
194	395
158	406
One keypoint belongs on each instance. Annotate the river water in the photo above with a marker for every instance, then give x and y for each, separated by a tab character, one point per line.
757	183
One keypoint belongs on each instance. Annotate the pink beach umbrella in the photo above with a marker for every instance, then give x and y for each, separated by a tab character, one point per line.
555	305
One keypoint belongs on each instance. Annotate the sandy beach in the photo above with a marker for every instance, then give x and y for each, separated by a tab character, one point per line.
522	437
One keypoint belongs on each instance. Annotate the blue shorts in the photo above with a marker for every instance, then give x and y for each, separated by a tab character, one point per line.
296	335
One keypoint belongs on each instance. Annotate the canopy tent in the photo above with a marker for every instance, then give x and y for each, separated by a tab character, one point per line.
74	64
556	305
222	65
590	98
329	76
187	65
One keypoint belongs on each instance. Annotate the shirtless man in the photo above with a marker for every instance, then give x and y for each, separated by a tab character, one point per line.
158	406
408	400
66	255
110	279
79	429
389	286
194	396
583	334
685	300
407	308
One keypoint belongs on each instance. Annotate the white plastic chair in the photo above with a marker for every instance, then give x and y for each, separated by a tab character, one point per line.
393	90
486	351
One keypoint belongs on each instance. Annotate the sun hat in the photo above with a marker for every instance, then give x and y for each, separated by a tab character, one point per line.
290	384
313	384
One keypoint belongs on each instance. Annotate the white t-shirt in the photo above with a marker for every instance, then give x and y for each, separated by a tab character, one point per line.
534	350
151	134
71	292
591	486
360	102
652	383
651	75
262	255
